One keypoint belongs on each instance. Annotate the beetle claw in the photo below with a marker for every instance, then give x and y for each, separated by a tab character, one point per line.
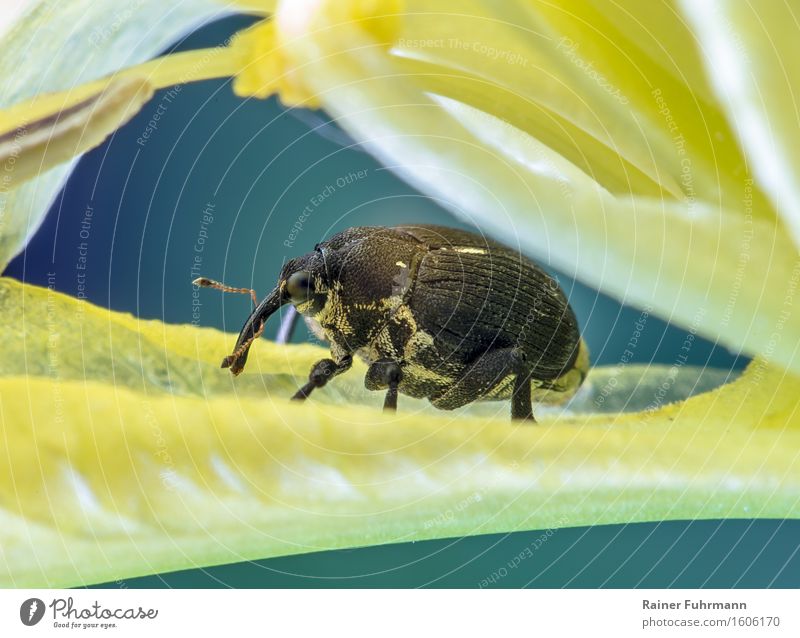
232	362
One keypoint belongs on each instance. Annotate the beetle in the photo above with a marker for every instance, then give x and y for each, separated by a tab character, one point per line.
435	312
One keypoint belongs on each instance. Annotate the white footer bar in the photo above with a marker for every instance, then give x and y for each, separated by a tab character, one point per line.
389	613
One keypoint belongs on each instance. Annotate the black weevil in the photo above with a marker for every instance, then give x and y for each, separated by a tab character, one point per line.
435	312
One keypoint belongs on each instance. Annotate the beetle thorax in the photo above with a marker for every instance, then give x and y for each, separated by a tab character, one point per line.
352	324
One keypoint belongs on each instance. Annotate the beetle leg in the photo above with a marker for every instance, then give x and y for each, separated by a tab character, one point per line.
485	373
288	324
390	401
322	372
521	407
385	374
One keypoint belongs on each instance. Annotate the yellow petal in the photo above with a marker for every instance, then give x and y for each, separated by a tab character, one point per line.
63	48
48	131
134	453
728	275
750	55
112	475
264	69
613	87
53	128
259	7
11	14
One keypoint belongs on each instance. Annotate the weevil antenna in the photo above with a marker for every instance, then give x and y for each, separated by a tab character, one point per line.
228	361
205	282
253	328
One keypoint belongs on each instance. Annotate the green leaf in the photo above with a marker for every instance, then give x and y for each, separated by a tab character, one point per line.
129	452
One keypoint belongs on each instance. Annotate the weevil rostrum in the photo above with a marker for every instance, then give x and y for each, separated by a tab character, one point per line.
435	312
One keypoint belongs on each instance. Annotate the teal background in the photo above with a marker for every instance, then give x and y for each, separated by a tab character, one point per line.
712	554
256	165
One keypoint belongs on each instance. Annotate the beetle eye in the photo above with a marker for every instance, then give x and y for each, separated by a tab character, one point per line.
299	285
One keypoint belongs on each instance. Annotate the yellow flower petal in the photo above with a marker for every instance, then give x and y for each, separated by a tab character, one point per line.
112	481
47	131
64	49
259	7
266	62
264	69
728	274
750	55
615	88
134	453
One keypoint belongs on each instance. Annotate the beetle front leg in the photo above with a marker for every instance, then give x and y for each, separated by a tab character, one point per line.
385	374
322	372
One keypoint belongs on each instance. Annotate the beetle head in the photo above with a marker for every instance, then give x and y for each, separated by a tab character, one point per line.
302	282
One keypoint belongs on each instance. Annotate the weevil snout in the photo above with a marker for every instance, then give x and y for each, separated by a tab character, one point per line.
253	328
300	283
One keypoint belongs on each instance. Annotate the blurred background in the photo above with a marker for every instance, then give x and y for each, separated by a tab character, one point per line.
204	183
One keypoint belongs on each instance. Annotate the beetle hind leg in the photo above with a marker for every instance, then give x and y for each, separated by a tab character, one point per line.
521	406
484	375
385	374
